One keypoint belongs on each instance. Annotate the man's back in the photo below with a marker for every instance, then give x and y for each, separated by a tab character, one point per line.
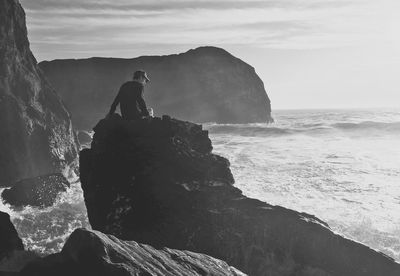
130	97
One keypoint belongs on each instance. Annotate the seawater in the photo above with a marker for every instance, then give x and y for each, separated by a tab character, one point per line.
45	230
342	166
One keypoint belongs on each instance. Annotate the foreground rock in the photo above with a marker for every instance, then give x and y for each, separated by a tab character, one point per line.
9	240
206	84
36	133
94	253
14	262
12	255
157	182
40	191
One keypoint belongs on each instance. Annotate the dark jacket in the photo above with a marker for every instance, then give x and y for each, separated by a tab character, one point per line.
130	97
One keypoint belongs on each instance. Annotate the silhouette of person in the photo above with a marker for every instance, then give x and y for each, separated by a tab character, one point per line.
130	98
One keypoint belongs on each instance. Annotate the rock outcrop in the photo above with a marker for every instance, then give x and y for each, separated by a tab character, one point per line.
157	182
94	253
41	191
36	133
9	240
206	84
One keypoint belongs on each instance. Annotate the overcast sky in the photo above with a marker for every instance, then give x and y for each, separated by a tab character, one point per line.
309	53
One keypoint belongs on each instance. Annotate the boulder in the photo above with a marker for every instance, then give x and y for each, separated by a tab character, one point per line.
94	253
40	191
14	262
9	240
156	181
36	133
205	84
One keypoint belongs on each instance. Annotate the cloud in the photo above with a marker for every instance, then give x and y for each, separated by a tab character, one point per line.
106	26
165	5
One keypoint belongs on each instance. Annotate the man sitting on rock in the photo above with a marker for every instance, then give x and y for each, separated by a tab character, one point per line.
130	98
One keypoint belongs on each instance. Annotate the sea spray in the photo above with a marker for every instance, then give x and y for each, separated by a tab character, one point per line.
340	165
44	230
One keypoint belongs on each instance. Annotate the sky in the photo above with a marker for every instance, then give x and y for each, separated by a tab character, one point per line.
309	53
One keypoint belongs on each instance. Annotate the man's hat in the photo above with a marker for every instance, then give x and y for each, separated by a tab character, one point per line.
140	73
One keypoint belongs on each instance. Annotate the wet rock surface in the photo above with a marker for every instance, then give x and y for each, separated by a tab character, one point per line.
206	84
156	182
36	133
94	253
40	191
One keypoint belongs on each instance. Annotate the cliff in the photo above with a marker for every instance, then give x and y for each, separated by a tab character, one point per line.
203	85
157	182
36	133
94	253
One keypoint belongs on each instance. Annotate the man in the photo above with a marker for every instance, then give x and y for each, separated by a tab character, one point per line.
130	98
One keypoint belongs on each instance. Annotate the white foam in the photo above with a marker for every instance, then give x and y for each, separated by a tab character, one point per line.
348	179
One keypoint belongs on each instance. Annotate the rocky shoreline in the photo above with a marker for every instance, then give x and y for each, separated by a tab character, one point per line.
155	184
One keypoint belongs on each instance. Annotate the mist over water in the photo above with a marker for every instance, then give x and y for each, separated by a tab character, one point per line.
342	166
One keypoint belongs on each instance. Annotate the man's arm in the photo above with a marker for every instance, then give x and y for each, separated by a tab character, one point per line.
142	104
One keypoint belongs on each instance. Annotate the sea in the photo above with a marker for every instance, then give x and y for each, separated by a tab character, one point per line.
342	166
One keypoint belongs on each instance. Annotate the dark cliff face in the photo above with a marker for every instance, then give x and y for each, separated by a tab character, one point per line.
94	253
203	85
157	182
9	240
36	133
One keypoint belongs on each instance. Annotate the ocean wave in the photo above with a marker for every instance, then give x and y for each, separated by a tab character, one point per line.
249	130
369	125
306	128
